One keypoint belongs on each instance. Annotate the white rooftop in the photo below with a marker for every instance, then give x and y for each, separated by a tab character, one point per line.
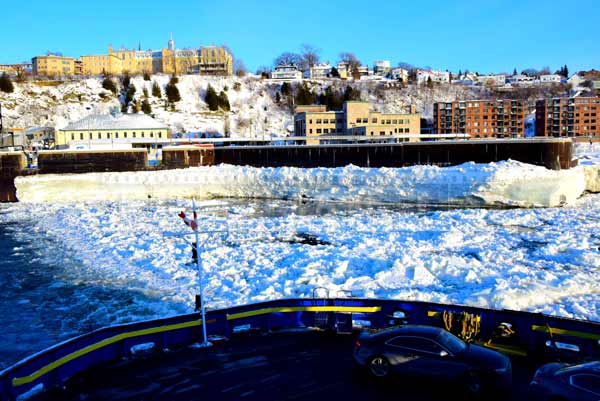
117	122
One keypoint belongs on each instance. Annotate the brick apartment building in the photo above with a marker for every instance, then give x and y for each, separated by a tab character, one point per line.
480	118
570	117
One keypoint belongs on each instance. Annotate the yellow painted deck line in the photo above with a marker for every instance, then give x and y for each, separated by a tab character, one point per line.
507	349
18	381
264	311
571	333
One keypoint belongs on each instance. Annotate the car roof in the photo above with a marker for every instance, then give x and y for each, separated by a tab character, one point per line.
411	330
589	366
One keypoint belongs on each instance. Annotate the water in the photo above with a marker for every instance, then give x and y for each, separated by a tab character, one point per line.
67	269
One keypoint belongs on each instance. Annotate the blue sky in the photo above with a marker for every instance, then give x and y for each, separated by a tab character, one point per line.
483	35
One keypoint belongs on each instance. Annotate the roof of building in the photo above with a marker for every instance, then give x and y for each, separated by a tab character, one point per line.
118	122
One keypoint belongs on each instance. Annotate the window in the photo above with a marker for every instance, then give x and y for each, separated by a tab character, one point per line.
587	382
318	121
116	134
365	120
326	131
133	134
318	130
152	135
160	134
310	131
90	135
358	120
72	137
125	135
388	121
99	136
373	120
81	135
395	122
142	134
310	121
417	344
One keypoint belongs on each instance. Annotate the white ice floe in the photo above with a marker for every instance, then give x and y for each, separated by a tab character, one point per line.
541	260
507	183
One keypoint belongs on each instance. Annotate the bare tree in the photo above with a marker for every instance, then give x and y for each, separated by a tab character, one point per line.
310	57
288	58
353	63
239	68
351	59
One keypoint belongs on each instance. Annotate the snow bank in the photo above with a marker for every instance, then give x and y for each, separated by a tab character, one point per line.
507	183
588	157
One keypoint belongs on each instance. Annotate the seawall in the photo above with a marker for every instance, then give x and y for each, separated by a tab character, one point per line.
554	154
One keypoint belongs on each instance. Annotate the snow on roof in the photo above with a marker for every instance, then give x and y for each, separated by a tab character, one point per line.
118	122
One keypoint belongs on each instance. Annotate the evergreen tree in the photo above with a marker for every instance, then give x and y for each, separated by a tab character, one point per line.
285	89
277	97
211	99
156	90
6	84
129	94
126	80
429	83
335	73
146	108
350	94
172	92
109	84
145	93
566	71
515	71
146	76
223	101
304	95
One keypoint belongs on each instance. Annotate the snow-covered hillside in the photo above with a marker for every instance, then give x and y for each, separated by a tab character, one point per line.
254	107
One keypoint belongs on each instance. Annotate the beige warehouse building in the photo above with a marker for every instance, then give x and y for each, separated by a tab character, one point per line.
354	119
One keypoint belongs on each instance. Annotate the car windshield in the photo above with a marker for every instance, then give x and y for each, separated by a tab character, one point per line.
453	343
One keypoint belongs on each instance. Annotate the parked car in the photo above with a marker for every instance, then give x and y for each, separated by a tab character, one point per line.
434	352
561	381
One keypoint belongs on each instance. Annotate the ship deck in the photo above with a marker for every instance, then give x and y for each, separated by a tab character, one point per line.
290	365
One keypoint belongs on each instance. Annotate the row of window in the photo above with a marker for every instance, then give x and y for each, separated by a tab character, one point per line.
327	121
109	135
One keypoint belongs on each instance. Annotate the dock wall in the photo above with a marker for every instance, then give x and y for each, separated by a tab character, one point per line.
554	154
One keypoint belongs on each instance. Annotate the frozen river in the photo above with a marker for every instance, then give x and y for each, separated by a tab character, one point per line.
68	268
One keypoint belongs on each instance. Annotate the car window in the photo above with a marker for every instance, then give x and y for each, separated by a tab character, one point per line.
587	382
416	344
453	343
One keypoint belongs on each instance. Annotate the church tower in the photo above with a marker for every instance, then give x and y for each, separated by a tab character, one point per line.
171	43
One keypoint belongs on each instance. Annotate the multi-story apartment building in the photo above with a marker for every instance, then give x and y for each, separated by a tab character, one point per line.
480	118
570	117
551	78
210	60
286	73
354	119
53	65
382	67
320	71
400	73
436	76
